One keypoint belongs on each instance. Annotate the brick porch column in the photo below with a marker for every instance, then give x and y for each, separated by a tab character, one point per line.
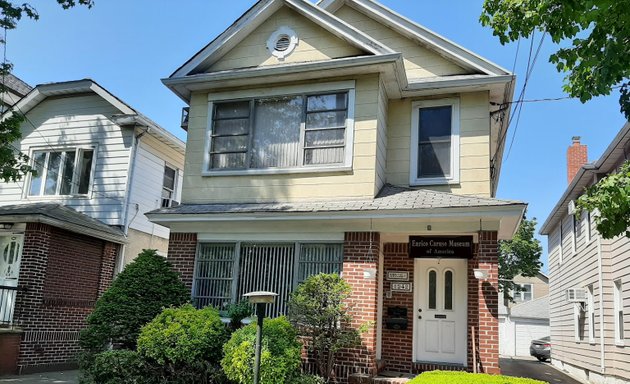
360	258
182	248
483	304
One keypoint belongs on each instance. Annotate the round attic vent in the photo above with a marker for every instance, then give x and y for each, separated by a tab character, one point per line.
282	42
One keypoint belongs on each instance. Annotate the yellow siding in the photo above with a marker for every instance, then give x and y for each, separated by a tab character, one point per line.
355	184
315	44
419	61
474	145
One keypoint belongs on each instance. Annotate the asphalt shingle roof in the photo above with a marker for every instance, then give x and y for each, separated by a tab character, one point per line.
534	309
17	85
62	213
390	198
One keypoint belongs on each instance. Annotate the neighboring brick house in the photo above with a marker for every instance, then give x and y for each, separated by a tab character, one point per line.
589	276
343	137
66	230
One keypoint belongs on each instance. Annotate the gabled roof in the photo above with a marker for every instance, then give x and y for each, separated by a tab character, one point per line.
417	32
128	115
257	14
59	215
16	85
612	157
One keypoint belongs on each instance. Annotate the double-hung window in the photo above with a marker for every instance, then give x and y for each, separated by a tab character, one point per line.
62	172
435	142
276	133
224	272
526	293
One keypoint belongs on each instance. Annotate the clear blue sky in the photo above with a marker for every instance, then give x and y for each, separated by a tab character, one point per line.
128	46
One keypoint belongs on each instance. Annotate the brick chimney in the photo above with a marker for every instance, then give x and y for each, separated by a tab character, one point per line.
577	156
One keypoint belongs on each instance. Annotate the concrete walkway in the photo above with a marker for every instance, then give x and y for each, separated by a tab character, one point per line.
64	377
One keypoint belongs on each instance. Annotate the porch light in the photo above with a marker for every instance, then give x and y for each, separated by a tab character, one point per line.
261	299
6	225
480	274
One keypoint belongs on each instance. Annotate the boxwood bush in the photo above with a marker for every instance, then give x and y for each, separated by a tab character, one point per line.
114	367
453	377
280	359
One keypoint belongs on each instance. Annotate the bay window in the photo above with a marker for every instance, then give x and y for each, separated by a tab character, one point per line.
62	172
281	132
435	142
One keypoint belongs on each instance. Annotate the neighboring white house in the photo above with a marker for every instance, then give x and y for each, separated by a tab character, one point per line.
589	276
96	154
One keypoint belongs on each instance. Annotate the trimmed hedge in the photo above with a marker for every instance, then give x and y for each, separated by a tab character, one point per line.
115	367
454	377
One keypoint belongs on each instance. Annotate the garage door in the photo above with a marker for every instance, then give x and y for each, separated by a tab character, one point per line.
526	331
506	337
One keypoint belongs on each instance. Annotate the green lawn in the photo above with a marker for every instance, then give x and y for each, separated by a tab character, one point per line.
452	377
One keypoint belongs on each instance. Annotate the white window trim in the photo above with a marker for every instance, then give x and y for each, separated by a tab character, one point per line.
587	227
574	224
340	86
271	42
560	246
577	313
522	292
618	307
77	147
455	128
590	309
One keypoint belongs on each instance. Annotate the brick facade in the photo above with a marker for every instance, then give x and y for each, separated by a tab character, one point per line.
61	276
483	304
182	248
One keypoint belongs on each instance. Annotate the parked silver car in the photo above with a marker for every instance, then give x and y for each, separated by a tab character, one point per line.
541	348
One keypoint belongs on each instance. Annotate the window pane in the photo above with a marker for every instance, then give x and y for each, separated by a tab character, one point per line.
277	132
214	275
52	175
85	172
327	102
448	290
68	174
169	178
231	127
326	119
267	267
231	110
325	138
434	160
434	123
228	160
432	290
230	144
323	156
39	159
319	258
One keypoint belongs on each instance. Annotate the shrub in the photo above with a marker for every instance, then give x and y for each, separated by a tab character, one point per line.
318	309
280	357
452	377
136	296
307	379
178	338
239	311
114	367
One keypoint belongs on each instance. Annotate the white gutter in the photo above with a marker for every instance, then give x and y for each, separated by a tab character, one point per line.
602	346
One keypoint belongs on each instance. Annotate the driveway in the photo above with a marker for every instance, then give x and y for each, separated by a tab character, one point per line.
533	369
65	377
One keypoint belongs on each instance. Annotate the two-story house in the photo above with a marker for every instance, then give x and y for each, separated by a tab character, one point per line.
65	229
589	276
343	137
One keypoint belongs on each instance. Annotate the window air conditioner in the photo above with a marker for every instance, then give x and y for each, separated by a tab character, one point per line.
576	295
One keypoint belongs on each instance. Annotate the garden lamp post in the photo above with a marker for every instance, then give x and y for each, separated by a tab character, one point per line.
261	299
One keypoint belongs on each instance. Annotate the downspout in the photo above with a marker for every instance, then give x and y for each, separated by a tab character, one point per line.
602	357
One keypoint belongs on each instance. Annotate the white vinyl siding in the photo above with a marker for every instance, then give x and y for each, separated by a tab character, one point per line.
224	272
79	121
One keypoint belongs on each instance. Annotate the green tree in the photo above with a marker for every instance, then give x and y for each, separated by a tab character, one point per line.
596	33
318	308
140	292
519	256
13	164
610	198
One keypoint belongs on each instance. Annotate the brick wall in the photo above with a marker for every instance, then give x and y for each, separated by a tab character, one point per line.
61	276
397	346
182	248
361	253
9	351
577	156
483	304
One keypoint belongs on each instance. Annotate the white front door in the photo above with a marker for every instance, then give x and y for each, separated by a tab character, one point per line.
441	309
10	257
